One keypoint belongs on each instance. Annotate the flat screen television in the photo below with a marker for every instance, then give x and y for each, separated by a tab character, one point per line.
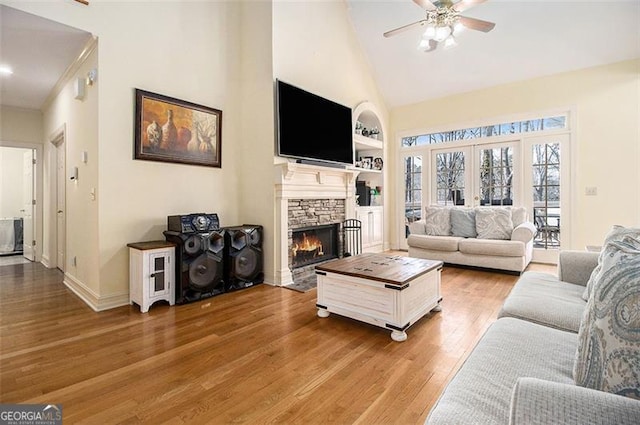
310	127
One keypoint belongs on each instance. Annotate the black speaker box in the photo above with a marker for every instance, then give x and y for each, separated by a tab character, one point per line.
199	269
244	259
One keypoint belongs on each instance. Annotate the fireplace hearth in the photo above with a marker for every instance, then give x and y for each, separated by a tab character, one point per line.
314	244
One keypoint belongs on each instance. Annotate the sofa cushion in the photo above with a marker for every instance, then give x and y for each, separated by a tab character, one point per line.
437	221
492	247
617	233
538	402
542	298
437	243
608	354
463	222
481	390
493	223
518	215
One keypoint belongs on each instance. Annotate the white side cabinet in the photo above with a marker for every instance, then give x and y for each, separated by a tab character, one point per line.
372	228
151	273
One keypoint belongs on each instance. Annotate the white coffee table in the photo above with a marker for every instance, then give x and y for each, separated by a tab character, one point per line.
389	291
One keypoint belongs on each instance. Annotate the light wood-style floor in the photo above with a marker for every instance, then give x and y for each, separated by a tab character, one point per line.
256	356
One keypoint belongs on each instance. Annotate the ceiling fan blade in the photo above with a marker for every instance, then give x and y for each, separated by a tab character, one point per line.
404	28
476	24
425	4
463	5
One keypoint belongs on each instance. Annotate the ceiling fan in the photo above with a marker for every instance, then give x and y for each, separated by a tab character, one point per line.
443	21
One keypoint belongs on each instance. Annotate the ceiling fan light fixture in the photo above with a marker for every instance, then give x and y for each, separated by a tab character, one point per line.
424	44
442	33
458	27
450	42
430	32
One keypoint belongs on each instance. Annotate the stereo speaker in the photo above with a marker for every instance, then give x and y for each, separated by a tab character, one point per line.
199	264
244	259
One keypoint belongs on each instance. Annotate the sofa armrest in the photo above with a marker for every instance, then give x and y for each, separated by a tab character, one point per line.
535	401
524	232
418	228
576	266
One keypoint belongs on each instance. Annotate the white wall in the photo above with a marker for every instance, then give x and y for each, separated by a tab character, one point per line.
255	159
20	125
219	54
606	100
186	50
11	181
79	118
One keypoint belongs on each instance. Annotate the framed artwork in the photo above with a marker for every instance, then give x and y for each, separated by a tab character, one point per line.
377	163
173	130
367	162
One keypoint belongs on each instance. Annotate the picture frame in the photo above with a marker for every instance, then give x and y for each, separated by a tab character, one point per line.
174	130
367	162
377	164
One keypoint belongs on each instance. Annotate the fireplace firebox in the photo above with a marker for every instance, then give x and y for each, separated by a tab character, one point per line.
314	244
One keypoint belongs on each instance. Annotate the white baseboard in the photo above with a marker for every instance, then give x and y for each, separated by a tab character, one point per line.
93	300
45	261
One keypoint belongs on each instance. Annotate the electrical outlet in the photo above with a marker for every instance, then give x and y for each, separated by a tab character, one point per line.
591	191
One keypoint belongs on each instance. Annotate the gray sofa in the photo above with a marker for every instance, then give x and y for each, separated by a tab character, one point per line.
520	372
436	238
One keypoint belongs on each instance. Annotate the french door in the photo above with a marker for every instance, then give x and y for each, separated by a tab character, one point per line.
479	175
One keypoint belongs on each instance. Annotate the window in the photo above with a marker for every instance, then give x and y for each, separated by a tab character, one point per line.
516	127
545	170
496	176
450	178
412	190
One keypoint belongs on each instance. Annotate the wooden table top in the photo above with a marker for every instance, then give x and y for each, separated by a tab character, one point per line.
392	269
144	246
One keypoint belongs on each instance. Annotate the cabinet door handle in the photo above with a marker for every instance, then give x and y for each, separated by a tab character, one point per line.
156	273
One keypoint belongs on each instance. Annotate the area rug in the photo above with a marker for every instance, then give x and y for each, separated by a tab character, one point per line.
303	285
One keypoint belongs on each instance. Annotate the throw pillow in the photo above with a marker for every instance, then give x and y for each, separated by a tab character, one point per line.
518	215
437	221
493	223
463	222
608	353
617	233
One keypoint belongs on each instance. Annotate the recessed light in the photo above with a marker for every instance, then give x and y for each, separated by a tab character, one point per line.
5	70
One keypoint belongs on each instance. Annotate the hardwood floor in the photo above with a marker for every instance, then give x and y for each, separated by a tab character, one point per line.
256	356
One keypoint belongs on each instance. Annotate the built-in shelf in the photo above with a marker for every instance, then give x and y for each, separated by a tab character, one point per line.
369	148
367	170
363	143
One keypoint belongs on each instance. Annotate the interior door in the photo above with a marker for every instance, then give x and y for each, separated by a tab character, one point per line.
60	206
28	207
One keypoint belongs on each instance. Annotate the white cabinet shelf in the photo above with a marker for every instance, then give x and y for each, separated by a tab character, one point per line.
372	228
151	273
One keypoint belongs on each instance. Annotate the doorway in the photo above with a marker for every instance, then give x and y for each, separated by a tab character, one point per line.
58	199
17	204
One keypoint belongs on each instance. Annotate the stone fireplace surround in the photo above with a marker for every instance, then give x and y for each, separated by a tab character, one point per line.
304	213
330	192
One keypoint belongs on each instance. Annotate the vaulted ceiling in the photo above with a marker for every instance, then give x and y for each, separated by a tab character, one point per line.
531	38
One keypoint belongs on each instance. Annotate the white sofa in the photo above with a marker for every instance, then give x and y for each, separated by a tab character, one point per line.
522	371
503	238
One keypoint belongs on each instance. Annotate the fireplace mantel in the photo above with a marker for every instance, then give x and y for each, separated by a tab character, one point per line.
303	181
